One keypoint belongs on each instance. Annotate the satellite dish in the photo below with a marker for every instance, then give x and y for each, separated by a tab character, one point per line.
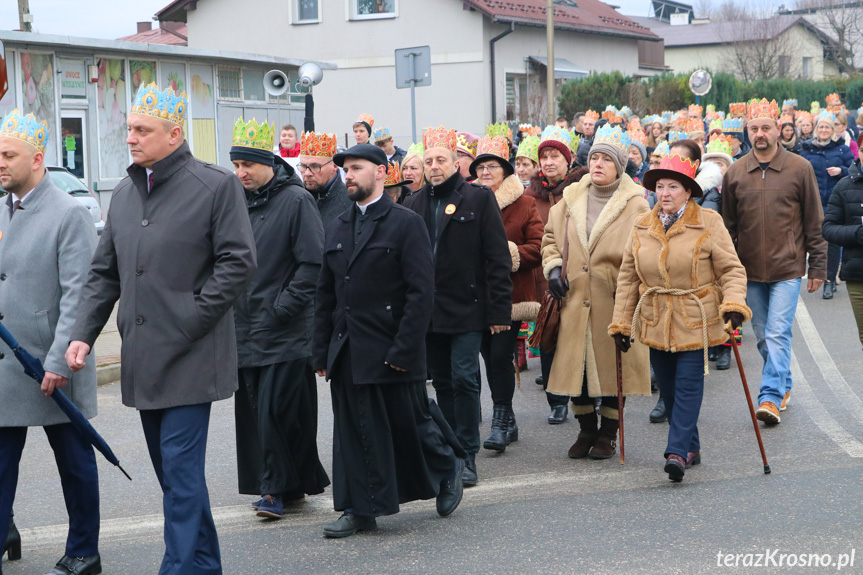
275	83
700	82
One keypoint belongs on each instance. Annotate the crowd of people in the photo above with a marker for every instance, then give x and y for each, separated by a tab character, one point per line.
379	269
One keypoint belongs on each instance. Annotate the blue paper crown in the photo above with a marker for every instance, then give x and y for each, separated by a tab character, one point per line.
382	134
167	105
661	150
667	114
611	108
732	126
677	136
556	134
791	102
625	111
825	117
612	136
25	128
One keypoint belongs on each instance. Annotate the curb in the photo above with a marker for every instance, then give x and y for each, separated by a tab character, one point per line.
106	374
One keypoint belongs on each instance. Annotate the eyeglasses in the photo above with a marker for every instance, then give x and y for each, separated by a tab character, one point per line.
313	168
489	168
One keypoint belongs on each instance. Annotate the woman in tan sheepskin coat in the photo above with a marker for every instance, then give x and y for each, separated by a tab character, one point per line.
601	210
680	273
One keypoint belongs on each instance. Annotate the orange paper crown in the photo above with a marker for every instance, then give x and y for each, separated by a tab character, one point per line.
694	126
591	115
367	119
608	114
832	99
786	119
737	108
318	145
440	137
695	109
763	109
676	163
394	174
804	116
637	135
634	124
496	146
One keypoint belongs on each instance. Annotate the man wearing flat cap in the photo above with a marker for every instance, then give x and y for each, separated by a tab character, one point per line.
374	300
276	406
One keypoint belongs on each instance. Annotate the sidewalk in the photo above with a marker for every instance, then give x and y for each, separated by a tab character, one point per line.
107	350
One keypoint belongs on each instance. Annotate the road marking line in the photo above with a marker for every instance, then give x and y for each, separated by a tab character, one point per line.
826	365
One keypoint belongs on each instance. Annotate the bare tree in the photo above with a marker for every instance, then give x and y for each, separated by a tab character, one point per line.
842	21
704	9
760	48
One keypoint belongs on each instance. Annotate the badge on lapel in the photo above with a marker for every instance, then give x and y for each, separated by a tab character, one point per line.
450	209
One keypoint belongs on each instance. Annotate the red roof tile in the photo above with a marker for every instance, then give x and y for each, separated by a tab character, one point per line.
159	36
589	16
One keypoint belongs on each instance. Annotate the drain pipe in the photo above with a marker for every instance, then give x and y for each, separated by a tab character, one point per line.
493	84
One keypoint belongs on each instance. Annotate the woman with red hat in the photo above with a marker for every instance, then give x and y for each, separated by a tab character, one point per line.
677	297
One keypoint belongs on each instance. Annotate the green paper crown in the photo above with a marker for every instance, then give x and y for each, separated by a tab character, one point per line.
252	135
499	129
529	148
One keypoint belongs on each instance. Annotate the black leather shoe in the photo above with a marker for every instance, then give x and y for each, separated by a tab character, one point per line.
711	353
723	358
829	288
13	544
539	380
469	476
91	565
348	524
557	415
512	429
658	414
451	491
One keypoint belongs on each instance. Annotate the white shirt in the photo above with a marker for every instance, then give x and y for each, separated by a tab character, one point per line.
365	207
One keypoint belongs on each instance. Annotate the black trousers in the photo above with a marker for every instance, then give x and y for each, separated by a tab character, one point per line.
498	352
834	258
389	446
276	417
608	401
545	360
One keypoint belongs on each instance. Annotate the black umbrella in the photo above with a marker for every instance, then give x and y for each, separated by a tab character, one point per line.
33	368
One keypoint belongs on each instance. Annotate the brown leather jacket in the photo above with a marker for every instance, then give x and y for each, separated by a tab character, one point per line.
774	217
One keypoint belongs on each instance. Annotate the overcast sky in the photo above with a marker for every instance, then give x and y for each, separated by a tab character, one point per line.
117	18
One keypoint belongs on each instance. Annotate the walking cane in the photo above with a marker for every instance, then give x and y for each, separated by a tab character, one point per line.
617	357
734	346
517	373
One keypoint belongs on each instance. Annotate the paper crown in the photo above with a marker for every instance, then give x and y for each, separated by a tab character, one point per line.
608	114
25	128
611	108
318	145
679	121
574	140
367	119
694	126
804	116
836	109
732	126
466	143
523	128
415	150
676	136
394	174
668	114
695	109
634	124
815	108
612	136
618	119
499	129
557	134
711	107
679	164
790	102
661	150
737	109
496	146
833	99
637	136
826	117
382	134
440	137
167	105
715	124
529	148
252	135
786	119
721	145
625	111
762	109
591	115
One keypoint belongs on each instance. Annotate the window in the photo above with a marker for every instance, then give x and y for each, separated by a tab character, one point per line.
230	84
807	66
784	64
307	11
372	9
253	85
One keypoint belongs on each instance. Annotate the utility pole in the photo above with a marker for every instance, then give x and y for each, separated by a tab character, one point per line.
549	69
25	19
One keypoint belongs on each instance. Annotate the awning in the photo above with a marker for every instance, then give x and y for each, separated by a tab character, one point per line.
563	68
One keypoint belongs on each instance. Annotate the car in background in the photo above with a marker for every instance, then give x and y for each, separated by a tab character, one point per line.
69	183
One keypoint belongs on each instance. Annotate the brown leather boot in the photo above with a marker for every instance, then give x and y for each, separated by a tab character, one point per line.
606	444
586	437
521	353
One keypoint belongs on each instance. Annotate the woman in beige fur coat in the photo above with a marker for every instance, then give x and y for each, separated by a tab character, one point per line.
599	212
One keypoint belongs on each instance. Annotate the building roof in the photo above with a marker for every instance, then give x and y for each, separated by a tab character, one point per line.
160	36
586	16
708	33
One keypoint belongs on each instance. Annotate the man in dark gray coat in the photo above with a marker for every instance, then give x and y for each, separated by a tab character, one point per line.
276	406
47	240
177	251
321	176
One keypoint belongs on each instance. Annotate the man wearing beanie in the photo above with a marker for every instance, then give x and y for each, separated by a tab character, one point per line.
374	301
276	406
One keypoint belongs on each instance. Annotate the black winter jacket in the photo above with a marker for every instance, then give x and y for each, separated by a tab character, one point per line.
843	223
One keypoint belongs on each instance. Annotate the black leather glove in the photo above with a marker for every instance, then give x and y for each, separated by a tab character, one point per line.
735	317
622	342
558	286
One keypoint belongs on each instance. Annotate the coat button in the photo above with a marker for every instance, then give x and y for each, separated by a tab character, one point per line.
339	336
139	320
389	308
338	246
2	355
3	277
1	317
347	309
347	278
145	223
584	268
139	271
587	303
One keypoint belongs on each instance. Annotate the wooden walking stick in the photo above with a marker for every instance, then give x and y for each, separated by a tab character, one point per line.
734	346
617	357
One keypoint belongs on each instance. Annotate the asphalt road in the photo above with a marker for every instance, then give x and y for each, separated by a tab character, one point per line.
535	510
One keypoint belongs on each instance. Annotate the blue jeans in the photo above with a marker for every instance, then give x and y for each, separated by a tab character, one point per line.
680	377
773	307
453	360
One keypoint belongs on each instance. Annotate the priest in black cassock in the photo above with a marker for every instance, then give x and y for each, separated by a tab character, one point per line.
374	302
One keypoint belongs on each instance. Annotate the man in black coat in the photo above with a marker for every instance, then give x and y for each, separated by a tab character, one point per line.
472	285
374	300
276	406
321	176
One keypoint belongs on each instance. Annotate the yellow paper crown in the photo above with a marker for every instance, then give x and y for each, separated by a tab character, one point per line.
167	105
25	128
440	137
466	143
763	109
318	145
252	135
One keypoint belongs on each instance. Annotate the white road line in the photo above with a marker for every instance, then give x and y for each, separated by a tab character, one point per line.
826	365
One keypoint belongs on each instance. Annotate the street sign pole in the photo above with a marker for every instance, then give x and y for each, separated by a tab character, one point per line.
413	56
413	70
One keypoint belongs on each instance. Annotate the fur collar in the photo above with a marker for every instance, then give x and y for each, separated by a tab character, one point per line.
509	191
709	176
575	196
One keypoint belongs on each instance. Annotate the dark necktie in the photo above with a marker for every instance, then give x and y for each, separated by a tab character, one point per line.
150	182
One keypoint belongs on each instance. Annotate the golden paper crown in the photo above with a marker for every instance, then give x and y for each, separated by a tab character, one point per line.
367	119
466	143
25	128
394	174
737	108
318	145
695	109
694	126
496	146
160	104
591	115
252	135
499	129
440	137
759	109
